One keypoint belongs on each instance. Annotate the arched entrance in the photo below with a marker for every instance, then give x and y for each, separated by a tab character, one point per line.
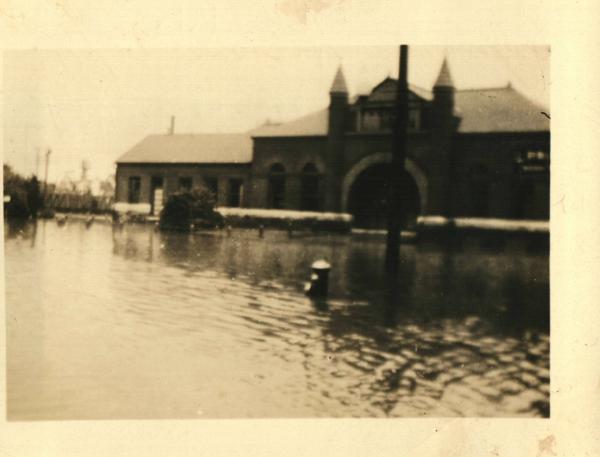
368	175
368	198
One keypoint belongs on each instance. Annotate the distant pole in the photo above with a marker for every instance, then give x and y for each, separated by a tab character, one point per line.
37	163
46	173
396	170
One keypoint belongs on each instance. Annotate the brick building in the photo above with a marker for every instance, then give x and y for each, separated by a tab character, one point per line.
471	153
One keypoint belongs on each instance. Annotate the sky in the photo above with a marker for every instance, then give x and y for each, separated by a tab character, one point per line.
94	105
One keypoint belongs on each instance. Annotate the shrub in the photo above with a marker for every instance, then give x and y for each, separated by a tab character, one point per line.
35	200
193	208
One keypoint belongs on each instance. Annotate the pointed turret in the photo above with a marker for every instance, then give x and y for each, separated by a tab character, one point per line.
443	96
339	83
444	78
443	125
338	116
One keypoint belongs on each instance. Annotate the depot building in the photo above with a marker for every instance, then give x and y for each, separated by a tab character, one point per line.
471	153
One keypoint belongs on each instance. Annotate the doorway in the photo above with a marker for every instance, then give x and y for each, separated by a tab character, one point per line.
368	199
156	194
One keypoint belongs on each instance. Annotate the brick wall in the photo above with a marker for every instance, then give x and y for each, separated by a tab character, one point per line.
172	173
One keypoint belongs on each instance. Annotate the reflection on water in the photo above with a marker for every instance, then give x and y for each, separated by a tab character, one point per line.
133	323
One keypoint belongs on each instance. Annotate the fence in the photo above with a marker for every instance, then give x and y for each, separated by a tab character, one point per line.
79	203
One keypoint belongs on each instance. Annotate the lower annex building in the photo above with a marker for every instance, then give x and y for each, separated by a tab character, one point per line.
471	153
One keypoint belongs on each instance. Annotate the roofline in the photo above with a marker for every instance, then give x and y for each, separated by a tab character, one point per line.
380	83
423	132
198	134
506	86
162	164
367	133
419	87
394	79
320	135
506	132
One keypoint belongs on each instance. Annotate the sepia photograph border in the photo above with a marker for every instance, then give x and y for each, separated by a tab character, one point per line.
570	31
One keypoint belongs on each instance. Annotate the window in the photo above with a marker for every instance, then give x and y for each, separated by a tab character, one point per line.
371	120
135	185
531	185
414	119
234	196
185	184
156	182
480	190
537	155
212	184
534	161
310	188
276	186
386	119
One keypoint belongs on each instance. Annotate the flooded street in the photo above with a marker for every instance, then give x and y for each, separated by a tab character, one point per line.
137	324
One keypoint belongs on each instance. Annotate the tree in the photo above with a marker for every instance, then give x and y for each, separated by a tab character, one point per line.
34	195
25	195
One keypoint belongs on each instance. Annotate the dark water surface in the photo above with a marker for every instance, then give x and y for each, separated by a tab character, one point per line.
133	324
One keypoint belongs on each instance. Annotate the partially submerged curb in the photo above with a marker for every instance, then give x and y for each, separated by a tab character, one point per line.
483	224
493	230
427	226
287	219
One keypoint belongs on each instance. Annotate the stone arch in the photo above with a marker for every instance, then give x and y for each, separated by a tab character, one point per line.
316	161
385	157
277	167
310	167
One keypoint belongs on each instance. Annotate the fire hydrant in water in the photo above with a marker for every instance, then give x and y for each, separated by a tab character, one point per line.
319	279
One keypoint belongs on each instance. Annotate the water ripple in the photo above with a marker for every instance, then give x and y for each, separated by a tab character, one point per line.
136	324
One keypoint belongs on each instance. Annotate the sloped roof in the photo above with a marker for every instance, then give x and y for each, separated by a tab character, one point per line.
189	148
502	109
498	110
385	91
313	124
423	93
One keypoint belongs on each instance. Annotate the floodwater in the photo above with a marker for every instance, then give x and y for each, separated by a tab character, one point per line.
105	323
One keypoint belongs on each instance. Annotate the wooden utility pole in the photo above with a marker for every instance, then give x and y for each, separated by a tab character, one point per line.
396	170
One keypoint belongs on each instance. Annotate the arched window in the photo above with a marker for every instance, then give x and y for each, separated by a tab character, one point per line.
480	190
276	186
310	188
